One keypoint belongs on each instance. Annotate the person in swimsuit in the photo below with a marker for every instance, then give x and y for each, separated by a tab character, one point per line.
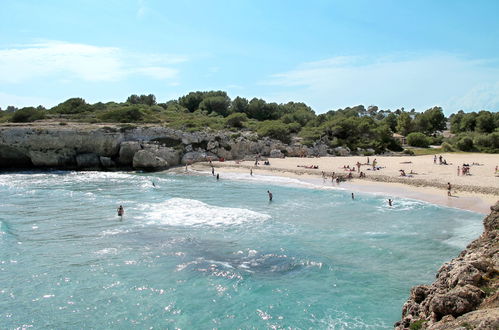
121	211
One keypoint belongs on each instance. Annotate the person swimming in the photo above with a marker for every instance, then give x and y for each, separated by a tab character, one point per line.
121	211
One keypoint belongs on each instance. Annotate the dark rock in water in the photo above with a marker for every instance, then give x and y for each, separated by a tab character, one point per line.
466	292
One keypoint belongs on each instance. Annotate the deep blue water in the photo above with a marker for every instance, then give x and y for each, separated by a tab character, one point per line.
194	252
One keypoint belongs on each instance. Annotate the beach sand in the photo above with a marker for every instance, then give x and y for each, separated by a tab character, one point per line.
475	192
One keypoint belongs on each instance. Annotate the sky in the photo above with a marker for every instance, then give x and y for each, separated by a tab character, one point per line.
328	54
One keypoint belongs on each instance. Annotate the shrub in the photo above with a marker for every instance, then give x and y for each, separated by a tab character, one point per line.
26	115
417	139
72	106
274	129
236	119
408	152
465	144
124	115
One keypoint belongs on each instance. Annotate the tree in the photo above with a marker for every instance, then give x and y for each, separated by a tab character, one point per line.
485	122
217	104
404	123
191	101
417	139
391	121
261	110
239	104
468	122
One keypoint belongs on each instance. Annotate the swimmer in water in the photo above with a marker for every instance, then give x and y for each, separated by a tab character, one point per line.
121	211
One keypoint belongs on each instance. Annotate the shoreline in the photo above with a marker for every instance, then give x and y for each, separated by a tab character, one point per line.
476	199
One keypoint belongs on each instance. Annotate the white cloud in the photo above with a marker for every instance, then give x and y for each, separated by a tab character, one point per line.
391	82
81	61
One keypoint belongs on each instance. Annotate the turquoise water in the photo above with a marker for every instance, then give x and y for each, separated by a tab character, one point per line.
196	253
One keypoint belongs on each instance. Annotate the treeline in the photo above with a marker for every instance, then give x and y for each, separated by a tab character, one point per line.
355	127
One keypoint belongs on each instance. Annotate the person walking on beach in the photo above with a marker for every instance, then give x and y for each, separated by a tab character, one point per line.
434	159
270	195
121	211
449	187
389	202
251	171
212	171
458	169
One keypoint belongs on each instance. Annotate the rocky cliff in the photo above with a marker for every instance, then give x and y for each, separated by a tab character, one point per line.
85	146
465	294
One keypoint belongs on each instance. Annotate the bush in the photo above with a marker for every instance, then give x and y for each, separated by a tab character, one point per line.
436	140
123	115
465	144
236	119
72	106
275	129
26	115
417	139
408	152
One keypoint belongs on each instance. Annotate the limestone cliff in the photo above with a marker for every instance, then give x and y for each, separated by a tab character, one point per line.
465	294
86	146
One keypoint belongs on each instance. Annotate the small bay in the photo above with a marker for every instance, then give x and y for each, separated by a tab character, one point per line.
194	252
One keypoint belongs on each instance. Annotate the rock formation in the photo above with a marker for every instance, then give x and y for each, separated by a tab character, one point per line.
149	147
465	294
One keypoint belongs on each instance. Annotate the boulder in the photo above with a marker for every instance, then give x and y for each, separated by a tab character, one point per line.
87	160
127	152
147	160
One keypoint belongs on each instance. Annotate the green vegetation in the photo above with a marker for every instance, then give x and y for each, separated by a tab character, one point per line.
416	325
355	127
417	139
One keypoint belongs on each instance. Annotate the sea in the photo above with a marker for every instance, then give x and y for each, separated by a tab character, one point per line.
194	252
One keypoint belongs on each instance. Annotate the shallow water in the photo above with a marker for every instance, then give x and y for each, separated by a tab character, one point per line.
194	252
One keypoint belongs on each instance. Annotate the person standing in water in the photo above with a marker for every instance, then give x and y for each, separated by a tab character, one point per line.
212	171
353	196
251	171
449	187
218	176
390	202
121	211
270	195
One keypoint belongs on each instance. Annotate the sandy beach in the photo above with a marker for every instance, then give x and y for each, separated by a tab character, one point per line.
424	179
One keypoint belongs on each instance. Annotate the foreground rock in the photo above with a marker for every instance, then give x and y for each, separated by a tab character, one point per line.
465	294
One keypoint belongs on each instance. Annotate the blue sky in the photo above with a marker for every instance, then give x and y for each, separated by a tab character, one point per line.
328	54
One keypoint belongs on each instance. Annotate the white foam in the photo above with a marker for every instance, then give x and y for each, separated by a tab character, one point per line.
189	212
